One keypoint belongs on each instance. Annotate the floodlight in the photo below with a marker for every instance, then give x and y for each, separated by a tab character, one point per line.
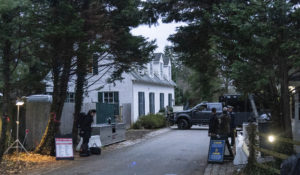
19	103
271	138
17	144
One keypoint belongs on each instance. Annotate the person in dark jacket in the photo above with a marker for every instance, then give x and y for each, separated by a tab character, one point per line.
225	123
213	123
86	130
232	125
225	129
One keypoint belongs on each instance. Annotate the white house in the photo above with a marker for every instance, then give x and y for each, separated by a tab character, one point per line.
144	91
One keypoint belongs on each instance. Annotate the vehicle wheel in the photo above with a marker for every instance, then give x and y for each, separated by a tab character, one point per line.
183	124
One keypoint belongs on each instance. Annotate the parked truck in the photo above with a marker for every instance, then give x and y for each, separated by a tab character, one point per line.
244	107
198	115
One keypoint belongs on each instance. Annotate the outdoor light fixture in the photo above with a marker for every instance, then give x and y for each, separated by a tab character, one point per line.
271	138
19	103
292	89
17	144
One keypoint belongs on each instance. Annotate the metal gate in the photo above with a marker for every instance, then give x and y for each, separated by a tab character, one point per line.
106	111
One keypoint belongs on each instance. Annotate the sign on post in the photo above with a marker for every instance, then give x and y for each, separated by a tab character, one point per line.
216	151
64	148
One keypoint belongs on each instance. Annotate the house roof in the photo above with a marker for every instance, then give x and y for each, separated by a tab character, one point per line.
165	58
157	56
152	80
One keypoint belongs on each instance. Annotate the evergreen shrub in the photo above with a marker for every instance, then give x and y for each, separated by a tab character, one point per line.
150	121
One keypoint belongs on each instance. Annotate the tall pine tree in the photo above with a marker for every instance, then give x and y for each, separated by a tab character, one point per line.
255	42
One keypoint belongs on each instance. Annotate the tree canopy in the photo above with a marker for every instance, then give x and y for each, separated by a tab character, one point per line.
254	42
61	37
80	30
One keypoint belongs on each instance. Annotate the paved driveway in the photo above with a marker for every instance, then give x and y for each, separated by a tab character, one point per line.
177	152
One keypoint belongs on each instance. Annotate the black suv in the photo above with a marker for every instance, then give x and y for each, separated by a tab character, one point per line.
198	115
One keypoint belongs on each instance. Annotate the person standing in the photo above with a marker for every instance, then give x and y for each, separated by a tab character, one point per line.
232	125
225	129
225	123
86	131
213	123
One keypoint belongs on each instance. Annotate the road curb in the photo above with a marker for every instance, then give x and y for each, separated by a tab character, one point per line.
226	168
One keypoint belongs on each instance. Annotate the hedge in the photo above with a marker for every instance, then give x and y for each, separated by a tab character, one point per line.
150	121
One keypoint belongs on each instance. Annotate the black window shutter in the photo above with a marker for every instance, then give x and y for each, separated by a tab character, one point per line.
100	97
151	103
141	103
170	100
116	97
162	101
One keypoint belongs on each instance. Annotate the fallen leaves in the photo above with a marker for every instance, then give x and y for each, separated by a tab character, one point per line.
18	163
31	157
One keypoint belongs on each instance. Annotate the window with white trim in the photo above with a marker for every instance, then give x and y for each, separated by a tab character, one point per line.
108	97
70	97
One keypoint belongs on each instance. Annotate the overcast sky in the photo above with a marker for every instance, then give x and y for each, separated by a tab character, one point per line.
160	32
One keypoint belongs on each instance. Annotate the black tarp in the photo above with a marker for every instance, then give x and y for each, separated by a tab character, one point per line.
291	166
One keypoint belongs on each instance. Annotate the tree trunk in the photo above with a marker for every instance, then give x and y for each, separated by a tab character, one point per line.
6	94
285	98
81	71
81	78
285	106
60	82
3	136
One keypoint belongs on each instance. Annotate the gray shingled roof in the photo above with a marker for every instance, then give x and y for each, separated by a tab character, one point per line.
157	57
151	80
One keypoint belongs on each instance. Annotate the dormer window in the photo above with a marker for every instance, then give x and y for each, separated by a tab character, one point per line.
140	70
161	69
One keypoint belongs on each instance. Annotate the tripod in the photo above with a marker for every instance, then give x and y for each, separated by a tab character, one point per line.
17	144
